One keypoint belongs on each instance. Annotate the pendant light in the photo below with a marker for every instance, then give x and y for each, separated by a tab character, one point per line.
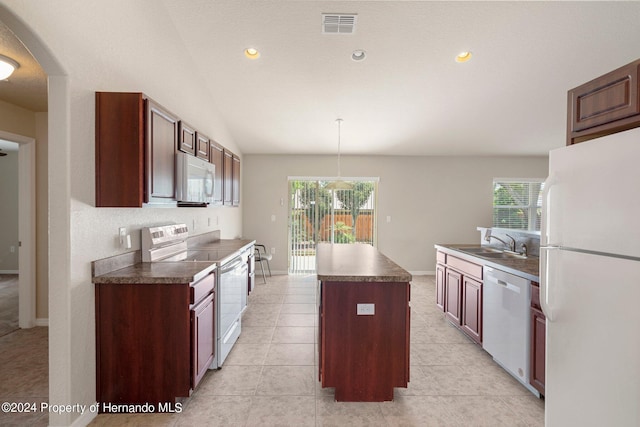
7	67
339	184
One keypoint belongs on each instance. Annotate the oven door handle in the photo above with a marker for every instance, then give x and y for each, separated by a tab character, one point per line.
232	265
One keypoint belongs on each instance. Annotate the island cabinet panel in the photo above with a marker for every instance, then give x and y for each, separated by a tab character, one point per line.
605	105
364	356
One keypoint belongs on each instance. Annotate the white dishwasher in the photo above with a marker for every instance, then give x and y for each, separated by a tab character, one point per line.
506	328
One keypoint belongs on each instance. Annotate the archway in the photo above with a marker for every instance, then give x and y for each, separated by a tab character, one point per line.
59	212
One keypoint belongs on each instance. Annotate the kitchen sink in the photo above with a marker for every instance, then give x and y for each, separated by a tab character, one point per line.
501	255
482	250
492	253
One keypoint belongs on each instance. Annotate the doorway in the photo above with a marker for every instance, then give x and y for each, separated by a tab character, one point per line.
328	210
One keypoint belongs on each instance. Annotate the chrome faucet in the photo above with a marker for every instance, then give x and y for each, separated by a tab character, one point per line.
511	245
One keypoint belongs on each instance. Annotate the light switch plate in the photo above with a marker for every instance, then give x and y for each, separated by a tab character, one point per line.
365	309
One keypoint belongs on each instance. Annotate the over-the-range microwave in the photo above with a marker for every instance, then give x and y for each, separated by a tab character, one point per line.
195	181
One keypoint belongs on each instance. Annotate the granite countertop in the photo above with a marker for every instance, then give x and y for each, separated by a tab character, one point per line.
158	273
356	263
128	268
529	268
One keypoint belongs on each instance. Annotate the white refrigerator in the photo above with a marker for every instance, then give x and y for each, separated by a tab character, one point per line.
590	282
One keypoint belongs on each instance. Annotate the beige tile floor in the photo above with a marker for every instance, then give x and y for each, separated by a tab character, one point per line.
270	377
24	375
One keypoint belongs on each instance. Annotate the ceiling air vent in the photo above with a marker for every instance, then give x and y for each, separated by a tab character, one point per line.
336	23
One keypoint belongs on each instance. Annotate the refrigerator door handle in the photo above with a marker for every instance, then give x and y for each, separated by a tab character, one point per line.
547	271
546	210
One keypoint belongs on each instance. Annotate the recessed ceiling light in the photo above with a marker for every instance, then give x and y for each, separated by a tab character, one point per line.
7	67
251	53
358	55
463	57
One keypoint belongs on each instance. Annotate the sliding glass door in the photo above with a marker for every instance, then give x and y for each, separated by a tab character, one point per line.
328	210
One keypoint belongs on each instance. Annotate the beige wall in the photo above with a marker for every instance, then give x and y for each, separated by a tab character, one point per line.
9	212
23	122
42	217
430	199
17	120
102	46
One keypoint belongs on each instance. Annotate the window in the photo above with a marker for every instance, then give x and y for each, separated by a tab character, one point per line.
517	203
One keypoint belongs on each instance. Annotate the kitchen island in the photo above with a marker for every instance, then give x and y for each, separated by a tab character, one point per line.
364	319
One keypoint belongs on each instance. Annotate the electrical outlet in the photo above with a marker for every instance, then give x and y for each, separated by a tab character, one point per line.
12	249
273	251
122	233
273	218
365	309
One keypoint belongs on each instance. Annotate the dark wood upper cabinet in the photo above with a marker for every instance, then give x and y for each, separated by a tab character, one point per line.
203	146
160	147
216	156
187	141
227	178
135	148
235	183
136	144
605	105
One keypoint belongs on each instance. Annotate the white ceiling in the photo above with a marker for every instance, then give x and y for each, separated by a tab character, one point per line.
409	97
27	86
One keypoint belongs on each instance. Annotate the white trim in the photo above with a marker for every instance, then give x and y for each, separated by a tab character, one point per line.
423	273
9	271
334	178
86	418
519	179
42	321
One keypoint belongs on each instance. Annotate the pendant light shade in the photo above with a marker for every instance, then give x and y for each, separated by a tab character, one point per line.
339	184
7	67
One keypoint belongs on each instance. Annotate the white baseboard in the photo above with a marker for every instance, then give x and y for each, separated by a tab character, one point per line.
42	321
84	419
9	271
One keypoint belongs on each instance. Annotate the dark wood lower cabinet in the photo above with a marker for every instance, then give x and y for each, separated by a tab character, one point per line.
202	338
154	342
364	356
538	341
440	286
459	293
453	296
472	308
